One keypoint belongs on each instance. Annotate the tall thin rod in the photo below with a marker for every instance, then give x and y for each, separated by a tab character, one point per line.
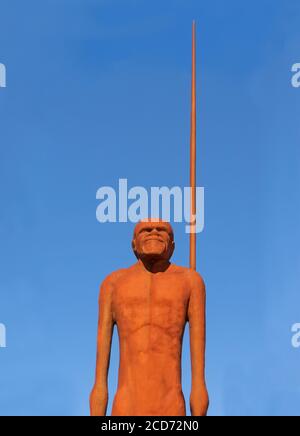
193	154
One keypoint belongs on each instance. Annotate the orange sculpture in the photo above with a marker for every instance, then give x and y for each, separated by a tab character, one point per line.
151	302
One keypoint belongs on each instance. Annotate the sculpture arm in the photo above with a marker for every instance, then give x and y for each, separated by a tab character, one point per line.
196	317
99	394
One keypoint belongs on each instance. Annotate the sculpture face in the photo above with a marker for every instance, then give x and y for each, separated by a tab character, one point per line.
153	239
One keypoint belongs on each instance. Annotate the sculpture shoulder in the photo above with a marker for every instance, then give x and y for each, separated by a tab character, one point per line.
113	277
193	278
190	273
108	285
197	285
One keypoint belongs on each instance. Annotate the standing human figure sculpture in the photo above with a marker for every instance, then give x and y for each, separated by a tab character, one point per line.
150	302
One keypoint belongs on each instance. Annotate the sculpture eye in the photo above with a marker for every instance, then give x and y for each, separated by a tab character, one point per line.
161	230
146	230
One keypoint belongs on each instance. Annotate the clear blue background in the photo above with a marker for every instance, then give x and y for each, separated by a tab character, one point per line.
100	90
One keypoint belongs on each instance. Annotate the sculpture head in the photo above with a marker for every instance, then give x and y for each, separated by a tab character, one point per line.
153	239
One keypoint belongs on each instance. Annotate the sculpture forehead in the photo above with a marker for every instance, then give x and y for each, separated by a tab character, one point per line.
152	223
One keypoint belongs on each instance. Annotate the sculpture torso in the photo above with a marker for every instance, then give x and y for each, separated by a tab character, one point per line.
150	311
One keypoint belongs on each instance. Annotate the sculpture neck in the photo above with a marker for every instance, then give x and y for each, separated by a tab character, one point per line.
153	265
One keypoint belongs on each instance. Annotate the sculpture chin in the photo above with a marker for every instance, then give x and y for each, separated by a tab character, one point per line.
157	254
153	248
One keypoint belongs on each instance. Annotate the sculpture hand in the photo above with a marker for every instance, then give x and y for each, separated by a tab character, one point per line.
199	401
98	401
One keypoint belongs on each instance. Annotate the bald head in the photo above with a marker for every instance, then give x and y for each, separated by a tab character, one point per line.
153	237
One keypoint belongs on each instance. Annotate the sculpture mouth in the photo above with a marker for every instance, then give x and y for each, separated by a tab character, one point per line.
154	239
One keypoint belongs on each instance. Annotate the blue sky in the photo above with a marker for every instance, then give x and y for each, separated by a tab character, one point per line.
99	90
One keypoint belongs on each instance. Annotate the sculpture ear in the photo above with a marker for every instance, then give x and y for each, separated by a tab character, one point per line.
171	250
133	247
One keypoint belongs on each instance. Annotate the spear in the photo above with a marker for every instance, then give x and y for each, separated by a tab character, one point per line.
193	155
